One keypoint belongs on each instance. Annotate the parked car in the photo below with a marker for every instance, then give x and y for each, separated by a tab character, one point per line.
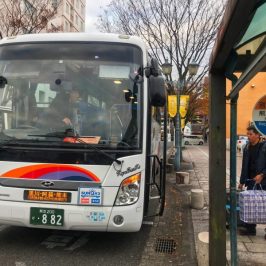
241	142
193	140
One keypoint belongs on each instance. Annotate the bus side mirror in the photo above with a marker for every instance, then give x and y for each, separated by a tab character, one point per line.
157	92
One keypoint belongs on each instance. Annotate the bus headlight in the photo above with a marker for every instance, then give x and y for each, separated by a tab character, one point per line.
129	190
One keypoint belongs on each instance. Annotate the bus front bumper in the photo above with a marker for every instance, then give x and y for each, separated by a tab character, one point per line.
87	218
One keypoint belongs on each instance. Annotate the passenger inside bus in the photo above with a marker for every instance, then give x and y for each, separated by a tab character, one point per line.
70	110
59	113
63	106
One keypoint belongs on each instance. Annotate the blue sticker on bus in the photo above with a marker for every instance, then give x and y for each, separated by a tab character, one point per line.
96	216
90	196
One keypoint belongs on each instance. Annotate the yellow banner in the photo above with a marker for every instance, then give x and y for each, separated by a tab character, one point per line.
172	105
182	123
184	101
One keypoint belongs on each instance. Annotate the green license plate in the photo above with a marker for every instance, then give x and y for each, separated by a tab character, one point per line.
45	216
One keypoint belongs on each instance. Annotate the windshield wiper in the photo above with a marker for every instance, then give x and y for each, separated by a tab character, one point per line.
56	134
96	149
70	133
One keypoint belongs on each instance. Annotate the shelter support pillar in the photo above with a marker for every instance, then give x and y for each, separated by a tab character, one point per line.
233	204
217	169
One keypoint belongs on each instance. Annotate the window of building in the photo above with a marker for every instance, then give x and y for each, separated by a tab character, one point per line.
77	4
67	8
83	10
66	26
82	26
29	8
77	20
53	27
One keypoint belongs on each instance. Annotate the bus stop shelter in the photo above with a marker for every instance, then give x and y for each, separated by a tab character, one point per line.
240	48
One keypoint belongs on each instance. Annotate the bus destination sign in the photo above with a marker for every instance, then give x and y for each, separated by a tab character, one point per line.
44	195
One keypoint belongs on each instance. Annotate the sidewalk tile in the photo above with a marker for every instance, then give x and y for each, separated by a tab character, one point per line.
248	258
251	250
194	183
244	239
240	246
259	240
255	247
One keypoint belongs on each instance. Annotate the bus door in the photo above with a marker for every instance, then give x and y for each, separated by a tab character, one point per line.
155	181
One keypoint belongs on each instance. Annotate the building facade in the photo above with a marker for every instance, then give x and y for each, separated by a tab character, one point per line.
70	16
67	16
252	92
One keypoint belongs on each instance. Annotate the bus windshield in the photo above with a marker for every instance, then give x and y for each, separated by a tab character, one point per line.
71	93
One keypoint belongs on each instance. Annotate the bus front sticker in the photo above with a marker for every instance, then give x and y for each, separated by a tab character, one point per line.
90	196
95	216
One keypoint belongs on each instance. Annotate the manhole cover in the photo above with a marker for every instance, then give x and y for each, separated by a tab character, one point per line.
164	245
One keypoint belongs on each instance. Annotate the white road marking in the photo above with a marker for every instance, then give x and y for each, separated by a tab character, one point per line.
63	240
57	241
206	154
53	244
79	243
20	263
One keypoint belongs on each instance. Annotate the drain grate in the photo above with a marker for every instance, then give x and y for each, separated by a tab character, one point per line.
164	245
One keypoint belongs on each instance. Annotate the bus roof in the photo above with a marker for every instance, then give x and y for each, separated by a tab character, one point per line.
76	37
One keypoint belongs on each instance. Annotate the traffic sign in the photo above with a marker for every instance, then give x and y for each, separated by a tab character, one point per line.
259	115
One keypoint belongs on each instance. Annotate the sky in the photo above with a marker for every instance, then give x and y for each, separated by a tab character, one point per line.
93	10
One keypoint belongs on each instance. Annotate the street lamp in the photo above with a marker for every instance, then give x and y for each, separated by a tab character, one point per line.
192	69
166	69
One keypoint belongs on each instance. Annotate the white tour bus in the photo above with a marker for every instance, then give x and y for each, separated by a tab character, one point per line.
80	132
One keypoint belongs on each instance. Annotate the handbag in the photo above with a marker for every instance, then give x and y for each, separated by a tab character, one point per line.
252	205
228	209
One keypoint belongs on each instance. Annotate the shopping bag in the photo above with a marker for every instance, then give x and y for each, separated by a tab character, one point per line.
252	205
228	209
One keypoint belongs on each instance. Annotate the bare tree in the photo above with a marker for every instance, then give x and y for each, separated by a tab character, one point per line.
27	16
177	30
199	104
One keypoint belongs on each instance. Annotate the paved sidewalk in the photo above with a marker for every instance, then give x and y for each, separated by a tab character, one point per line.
251	250
174	230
